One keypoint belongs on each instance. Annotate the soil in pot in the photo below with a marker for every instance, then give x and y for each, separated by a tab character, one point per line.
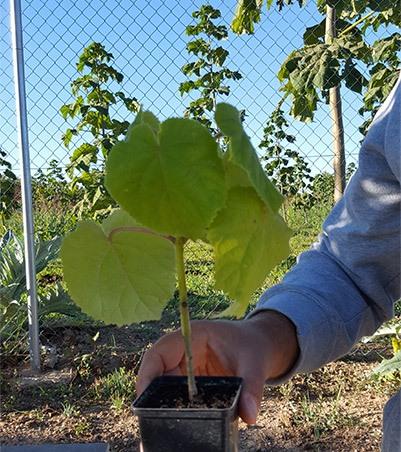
168	422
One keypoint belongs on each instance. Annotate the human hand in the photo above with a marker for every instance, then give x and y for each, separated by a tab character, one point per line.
259	348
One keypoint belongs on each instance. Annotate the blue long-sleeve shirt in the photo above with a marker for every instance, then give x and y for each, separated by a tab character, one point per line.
345	286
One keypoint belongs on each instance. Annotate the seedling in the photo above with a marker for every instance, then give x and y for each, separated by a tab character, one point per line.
175	184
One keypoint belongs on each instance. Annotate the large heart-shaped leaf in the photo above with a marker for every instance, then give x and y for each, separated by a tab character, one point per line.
172	182
120	273
249	239
242	154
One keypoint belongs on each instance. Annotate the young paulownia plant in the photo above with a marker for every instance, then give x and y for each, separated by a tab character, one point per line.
174	184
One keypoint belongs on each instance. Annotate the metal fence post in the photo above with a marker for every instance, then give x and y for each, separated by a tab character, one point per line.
26	188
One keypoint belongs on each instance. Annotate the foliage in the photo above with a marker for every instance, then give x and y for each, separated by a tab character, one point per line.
209	70
246	15
287	169
69	410
308	73
389	367
13	292
323	187
320	415
372	13
118	385
54	200
54	222
8	187
248	12
94	105
351	168
50	188
383	75
325	62
178	185
49	221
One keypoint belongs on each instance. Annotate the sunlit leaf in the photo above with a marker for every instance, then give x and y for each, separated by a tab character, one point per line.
172	182
243	155
121	276
246	15
249	239
144	117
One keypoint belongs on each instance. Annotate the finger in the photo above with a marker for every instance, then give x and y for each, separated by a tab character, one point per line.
152	366
251	394
163	357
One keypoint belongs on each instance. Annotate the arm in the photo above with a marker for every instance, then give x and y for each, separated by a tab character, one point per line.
345	286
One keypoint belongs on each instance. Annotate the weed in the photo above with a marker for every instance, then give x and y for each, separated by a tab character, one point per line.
69	410
117	386
84	366
37	415
286	390
82	427
320	415
118	403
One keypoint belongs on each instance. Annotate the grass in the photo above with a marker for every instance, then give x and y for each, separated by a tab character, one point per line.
81	428
69	410
321	415
118	387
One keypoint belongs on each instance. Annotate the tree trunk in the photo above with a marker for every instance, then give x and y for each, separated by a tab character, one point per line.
336	117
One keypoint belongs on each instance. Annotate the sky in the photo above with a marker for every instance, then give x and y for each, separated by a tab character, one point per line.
147	39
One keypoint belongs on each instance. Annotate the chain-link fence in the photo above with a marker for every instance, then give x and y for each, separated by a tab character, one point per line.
148	41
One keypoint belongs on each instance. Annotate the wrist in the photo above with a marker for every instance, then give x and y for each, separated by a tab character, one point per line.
279	335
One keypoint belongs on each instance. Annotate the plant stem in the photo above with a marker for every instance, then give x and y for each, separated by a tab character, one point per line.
355	24
184	315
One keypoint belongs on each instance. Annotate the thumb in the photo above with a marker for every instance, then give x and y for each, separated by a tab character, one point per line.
251	397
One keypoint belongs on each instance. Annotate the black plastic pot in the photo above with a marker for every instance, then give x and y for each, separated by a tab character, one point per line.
166	428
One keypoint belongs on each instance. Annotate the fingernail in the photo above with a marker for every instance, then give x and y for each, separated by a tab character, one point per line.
250	408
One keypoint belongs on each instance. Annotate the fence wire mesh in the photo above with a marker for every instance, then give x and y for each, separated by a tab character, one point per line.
148	42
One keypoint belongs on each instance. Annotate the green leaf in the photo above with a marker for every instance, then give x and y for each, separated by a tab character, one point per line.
315	34
65	111
119	218
354	80
67	137
387	48
219	56
242	154
318	79
144	117
248	241
235	175
246	15
389	366
121	277
172	182
301	109
9	174
84	150
289	65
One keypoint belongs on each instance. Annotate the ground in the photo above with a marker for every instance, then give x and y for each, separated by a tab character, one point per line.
83	396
